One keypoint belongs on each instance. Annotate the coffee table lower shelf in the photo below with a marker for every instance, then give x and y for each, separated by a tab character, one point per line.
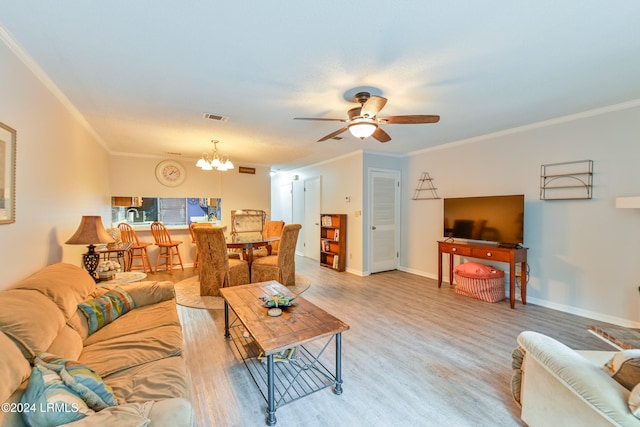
300	376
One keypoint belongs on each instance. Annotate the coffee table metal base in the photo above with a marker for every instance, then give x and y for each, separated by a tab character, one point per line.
283	382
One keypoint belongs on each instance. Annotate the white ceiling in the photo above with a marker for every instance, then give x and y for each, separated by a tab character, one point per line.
143	72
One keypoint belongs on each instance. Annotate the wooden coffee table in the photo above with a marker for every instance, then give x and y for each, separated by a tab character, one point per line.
259	338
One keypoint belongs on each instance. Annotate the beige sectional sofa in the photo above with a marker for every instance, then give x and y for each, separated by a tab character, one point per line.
138	355
565	387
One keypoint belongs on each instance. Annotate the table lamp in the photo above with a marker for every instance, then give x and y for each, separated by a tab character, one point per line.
89	232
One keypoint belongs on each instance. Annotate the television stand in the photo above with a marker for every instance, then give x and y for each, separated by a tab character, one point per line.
511	255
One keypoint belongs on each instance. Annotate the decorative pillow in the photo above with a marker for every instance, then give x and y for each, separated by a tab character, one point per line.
105	309
81	379
634	401
624	367
477	270
48	402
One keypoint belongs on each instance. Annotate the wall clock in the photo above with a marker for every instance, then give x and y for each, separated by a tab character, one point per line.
170	173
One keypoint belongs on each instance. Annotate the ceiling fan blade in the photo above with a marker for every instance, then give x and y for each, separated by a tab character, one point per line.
381	135
333	134
409	120
372	106
319	119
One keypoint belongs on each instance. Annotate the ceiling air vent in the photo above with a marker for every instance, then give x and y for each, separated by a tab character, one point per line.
214	117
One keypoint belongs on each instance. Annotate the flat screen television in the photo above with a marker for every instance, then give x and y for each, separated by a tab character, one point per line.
498	219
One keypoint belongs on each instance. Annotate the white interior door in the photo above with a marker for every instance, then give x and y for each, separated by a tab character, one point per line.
311	226
384	213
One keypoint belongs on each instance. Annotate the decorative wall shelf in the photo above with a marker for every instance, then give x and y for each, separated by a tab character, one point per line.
425	183
566	181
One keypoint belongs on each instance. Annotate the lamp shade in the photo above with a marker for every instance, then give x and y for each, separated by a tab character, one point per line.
89	232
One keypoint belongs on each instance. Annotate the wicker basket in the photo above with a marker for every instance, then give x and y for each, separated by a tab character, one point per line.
480	286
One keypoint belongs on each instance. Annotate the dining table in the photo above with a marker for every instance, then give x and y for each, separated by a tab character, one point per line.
248	246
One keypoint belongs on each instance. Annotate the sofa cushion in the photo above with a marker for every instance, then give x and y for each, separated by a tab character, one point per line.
133	349
624	367
67	344
129	415
14	368
46	391
30	319
66	285
159	380
147	293
140	319
81	379
105	309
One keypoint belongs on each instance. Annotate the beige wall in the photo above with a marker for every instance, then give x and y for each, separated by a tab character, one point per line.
61	172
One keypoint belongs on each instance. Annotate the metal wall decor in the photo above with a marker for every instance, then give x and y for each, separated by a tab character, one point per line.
567	180
425	189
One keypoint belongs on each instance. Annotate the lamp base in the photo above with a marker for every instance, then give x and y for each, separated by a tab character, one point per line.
91	260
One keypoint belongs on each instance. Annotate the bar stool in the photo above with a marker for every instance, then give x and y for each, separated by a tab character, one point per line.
167	248
138	249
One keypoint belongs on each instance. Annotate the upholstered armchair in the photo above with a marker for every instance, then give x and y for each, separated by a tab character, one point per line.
280	267
216	270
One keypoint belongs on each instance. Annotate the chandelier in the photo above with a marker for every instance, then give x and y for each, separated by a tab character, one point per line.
214	160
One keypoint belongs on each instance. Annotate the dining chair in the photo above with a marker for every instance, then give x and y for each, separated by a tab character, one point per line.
280	267
193	239
271	229
216	269
138	249
167	248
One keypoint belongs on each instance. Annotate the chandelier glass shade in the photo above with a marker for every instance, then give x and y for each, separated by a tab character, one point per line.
362	130
214	160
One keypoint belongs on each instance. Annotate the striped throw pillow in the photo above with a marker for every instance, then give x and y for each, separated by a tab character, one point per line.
81	379
105	309
48	402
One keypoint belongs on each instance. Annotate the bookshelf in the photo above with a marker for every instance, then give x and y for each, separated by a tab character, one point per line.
333	241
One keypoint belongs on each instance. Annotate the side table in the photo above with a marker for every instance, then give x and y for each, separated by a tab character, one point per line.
126	277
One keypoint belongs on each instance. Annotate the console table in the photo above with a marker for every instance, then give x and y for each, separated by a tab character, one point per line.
488	252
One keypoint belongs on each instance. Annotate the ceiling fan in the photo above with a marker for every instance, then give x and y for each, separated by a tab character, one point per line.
362	121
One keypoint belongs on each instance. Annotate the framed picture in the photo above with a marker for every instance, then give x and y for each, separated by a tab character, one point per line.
7	174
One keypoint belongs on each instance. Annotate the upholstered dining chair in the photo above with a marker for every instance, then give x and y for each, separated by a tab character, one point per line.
193	239
138	249
271	229
280	267
216	269
167	248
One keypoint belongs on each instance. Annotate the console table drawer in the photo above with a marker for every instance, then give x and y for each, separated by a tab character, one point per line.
455	249
490	253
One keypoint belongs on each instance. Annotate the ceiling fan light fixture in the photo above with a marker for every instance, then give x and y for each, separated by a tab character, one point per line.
362	130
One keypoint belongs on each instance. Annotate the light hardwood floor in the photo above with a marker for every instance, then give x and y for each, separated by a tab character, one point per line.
415	355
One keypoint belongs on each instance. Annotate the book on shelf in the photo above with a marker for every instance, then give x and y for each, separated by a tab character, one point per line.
335	261
326	246
336	234
326	221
